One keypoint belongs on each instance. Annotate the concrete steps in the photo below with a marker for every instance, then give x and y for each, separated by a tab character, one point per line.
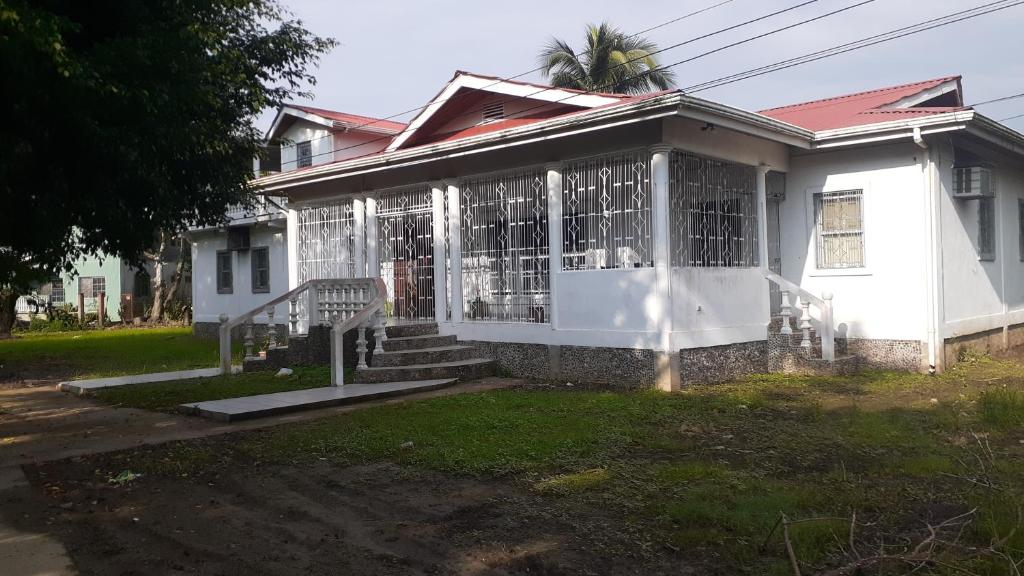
417	352
423	356
418	342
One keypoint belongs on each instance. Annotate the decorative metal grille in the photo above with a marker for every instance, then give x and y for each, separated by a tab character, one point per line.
839	229
406	246
606	212
987	228
326	241
505	263
713	212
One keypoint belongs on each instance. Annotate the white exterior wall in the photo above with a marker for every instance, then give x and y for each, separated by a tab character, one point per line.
208	305
980	295
300	131
887	298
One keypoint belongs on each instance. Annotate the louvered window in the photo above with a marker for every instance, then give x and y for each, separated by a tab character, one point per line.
987	228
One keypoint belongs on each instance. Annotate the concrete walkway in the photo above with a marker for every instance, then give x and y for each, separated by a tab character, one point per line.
83	387
39	424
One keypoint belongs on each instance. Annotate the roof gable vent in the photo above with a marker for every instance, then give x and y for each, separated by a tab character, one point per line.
493	111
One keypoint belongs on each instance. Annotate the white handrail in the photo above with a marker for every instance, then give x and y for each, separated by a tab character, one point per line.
824	304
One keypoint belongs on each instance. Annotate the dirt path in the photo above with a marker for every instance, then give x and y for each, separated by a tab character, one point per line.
39	424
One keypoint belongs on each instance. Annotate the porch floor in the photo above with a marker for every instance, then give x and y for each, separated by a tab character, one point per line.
233	409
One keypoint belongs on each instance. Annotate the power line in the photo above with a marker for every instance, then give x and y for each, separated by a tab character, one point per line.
1004	98
1012	118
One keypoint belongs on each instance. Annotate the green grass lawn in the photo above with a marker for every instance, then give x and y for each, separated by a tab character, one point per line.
99	353
708	472
166	396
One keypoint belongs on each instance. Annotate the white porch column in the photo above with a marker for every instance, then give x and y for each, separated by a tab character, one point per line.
293	252
359	225
438	191
455	244
668	363
372	257
554	176
762	216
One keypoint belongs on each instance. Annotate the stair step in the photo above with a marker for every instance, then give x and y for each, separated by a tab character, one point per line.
423	356
418	342
416	329
462	369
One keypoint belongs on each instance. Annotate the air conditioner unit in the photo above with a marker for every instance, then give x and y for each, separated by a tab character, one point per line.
238	238
971	182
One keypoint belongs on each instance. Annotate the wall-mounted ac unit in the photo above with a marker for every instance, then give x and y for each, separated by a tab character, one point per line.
238	238
971	182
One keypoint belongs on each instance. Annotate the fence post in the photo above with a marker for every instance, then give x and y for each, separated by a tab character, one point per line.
225	345
81	308
101	309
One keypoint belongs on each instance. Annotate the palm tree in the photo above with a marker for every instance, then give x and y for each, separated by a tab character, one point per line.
612	62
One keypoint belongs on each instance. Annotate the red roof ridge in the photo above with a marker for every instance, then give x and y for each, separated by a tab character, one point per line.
864	93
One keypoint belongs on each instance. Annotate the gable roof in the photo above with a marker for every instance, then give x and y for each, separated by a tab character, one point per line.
874	106
465	89
332	119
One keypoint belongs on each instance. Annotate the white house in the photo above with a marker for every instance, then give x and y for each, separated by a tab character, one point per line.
650	240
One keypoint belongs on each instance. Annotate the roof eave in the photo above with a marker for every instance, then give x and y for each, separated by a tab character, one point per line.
896	129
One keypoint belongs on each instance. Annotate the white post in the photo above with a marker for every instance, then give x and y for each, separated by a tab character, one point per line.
293	253
805	324
668	377
455	243
372	257
554	183
785	311
762	216
361	346
271	329
438	191
379	332
248	340
293	315
225	345
359	220
312	306
828	330
337	354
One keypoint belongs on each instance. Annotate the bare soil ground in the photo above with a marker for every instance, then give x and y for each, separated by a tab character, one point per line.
316	519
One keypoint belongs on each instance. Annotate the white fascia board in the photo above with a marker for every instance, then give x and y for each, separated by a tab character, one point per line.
667	105
999	134
841	136
295	112
498	87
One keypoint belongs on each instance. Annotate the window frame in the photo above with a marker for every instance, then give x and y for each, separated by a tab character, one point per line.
57	282
812	213
254	269
301	160
987	253
229	287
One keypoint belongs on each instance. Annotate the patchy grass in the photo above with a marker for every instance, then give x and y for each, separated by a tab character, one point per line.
707	473
100	353
166	396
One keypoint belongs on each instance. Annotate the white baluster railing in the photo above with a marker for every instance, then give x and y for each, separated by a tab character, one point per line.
824	306
343	304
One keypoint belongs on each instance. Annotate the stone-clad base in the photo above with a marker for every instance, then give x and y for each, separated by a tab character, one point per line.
624	368
716	364
902	355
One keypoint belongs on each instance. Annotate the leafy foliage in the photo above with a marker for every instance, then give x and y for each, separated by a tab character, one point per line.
131	116
611	62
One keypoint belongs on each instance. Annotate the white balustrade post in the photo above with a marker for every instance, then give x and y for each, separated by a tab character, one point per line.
224	335
828	330
312	306
293	315
361	346
248	339
786	312
359	231
805	324
554	188
438	191
455	250
379	332
337	354
271	329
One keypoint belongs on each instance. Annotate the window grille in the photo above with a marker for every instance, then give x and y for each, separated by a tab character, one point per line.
304	154
57	290
260	261
505	263
1020	227
987	228
325	241
406	246
92	286
494	111
606	212
839	229
225	272
713	212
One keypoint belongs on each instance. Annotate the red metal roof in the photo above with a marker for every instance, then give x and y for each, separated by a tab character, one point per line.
860	108
375	124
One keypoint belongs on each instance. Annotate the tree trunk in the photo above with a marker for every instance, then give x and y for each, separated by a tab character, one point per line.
157	313
8	301
176	278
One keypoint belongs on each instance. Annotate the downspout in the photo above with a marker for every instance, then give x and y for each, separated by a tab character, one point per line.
931	260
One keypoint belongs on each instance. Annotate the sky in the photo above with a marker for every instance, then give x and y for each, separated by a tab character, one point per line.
396	55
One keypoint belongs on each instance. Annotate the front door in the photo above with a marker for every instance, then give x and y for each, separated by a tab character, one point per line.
406	247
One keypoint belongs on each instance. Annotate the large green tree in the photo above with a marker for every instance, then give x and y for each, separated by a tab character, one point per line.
610	62
123	118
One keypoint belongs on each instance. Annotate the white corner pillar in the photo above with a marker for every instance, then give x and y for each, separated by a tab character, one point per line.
293	249
554	178
372	256
359	231
455	250
668	362
762	216
438	190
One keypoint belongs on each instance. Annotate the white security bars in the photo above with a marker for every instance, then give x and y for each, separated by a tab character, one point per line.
406	248
839	229
505	264
326	242
606	212
713	218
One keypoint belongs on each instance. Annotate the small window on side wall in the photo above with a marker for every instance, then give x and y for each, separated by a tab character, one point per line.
304	154
839	229
986	229
225	279
260	270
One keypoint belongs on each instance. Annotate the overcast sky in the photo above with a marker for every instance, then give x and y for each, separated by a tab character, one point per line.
395	55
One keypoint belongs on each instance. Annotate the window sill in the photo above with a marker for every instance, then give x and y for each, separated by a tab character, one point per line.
827	273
